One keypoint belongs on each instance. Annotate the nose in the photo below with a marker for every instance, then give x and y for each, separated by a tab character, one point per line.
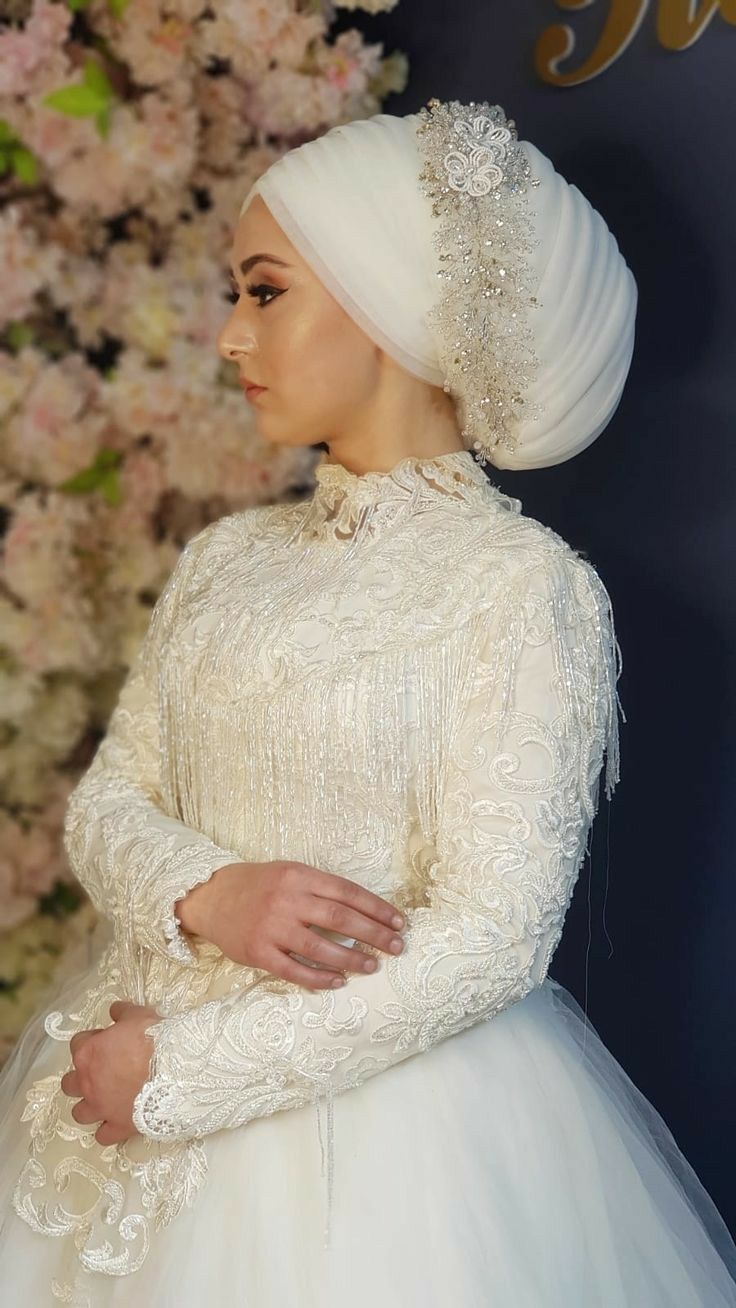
235	340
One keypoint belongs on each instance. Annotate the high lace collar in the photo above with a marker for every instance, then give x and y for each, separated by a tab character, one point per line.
346	505
454	467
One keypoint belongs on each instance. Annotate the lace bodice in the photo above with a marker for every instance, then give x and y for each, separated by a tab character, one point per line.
403	680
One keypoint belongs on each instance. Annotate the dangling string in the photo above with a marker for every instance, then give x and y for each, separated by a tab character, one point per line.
328	1097
613	668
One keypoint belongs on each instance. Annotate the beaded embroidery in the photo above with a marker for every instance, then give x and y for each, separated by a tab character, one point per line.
403	680
476	174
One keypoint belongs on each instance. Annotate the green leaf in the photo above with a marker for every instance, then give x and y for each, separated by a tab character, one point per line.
78	101
91	98
74	5
81	482
102	119
4	160
117	7
18	334
25	165
96	78
6	133
101	475
108	458
110	487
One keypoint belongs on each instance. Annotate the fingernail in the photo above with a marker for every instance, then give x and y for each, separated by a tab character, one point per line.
339	982
396	946
397	921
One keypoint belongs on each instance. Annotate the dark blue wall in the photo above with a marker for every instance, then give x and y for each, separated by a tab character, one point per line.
650	142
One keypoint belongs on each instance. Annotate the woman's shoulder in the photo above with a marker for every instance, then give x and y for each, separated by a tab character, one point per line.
228	531
529	550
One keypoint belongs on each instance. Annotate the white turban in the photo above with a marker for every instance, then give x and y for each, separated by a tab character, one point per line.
352	205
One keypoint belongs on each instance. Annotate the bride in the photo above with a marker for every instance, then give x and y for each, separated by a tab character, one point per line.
343	800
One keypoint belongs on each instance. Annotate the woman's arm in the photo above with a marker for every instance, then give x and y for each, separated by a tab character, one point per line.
521	792
133	859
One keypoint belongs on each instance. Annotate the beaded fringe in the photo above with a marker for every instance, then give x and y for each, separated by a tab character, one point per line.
286	738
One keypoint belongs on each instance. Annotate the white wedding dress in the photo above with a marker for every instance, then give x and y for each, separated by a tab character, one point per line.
407	682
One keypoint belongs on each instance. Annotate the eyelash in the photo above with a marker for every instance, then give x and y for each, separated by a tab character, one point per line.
255	290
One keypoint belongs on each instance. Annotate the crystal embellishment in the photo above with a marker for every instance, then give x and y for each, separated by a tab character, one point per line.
477	175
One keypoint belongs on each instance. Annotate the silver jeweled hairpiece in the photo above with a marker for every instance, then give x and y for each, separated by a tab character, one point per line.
476	174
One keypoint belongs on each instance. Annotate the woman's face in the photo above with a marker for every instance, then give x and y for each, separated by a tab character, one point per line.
288	334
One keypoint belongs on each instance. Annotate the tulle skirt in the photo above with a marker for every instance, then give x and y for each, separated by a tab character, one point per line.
514	1165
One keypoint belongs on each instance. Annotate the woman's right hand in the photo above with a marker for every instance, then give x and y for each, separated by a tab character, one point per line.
258	914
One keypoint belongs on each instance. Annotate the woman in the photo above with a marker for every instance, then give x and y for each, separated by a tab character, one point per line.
376	716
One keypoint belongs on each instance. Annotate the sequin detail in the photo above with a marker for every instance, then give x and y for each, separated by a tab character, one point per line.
477	175
402	680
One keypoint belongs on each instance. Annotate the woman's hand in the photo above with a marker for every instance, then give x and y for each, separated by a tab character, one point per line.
111	1065
258	914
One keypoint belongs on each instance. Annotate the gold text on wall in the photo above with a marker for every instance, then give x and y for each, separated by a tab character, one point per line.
679	23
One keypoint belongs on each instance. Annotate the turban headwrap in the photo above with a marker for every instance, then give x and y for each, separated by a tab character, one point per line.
473	263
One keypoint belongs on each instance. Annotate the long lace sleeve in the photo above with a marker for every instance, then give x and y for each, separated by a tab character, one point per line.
520	793
134	859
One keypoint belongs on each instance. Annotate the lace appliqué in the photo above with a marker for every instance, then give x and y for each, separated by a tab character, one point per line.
510	841
421	704
109	1200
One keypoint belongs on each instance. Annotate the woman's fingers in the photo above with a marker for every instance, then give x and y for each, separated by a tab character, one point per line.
83	1114
315	947
312	978
107	1134
120	1007
80	1038
341	890
70	1084
346	921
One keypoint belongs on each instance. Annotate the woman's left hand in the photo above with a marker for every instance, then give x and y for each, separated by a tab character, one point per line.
111	1064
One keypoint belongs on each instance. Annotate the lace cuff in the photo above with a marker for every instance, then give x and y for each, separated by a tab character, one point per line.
191	867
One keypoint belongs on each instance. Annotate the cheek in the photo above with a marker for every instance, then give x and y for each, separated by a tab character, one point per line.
326	357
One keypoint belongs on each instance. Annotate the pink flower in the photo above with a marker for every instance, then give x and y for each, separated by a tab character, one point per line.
149	153
290	104
349	63
53	137
27	265
25	52
28	868
154	45
37	863
258	22
142	481
56	432
43	565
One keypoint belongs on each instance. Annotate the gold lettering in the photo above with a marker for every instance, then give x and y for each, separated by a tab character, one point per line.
557	42
681	22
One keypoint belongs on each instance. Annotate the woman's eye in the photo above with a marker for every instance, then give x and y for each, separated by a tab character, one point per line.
257	292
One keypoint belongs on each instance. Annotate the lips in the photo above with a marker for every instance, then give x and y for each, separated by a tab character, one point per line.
253	393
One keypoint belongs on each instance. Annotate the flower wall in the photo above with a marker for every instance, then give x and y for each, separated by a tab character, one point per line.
129	134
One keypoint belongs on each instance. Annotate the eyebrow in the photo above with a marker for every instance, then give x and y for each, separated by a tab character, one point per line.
249	263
